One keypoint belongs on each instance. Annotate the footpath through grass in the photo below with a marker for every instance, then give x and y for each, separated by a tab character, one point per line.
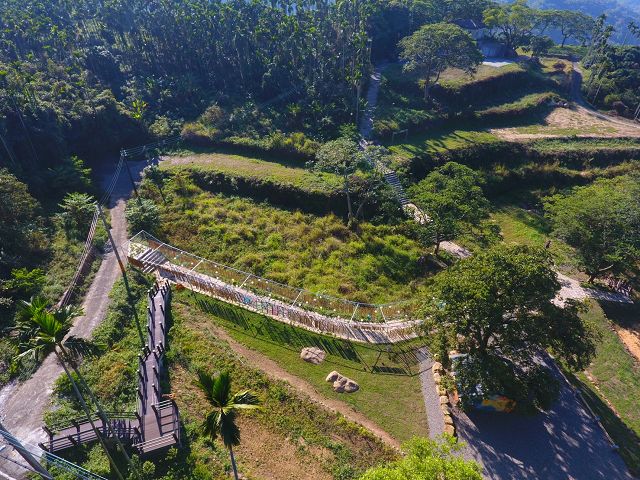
290	437
390	393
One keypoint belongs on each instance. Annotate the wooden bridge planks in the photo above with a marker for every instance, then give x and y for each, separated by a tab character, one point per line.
363	332
159	424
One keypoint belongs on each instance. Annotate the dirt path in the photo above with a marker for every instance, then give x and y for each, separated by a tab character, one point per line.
271	368
22	405
576	92
580	120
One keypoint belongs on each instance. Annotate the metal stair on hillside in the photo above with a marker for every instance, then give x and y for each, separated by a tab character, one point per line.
392	179
151	259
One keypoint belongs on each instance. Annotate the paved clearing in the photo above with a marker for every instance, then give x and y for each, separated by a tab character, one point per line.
22	405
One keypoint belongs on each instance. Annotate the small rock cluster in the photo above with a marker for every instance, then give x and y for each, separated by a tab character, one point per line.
313	355
445	405
342	384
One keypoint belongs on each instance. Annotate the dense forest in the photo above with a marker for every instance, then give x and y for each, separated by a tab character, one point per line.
80	80
89	77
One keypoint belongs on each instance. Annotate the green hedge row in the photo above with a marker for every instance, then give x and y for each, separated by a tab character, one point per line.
511	165
259	189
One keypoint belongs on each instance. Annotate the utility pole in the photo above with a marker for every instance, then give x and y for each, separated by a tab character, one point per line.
24	453
113	243
133	184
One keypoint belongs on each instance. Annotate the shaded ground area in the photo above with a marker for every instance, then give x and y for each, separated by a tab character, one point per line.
563	443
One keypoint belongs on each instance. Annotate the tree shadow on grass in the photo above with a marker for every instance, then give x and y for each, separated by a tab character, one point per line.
294	339
626	315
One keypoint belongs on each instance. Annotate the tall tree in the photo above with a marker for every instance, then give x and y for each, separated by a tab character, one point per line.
513	23
573	24
451	196
433	48
220	421
359	177
496	308
602	221
19	219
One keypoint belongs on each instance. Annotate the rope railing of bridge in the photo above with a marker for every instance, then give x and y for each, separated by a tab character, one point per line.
49	458
327	305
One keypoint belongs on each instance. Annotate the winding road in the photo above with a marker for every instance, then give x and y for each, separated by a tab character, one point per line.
564	443
22	405
583	105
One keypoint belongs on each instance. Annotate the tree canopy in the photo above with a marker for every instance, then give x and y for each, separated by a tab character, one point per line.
602	221
19	219
497	309
427	459
342	157
451	196
513	22
434	48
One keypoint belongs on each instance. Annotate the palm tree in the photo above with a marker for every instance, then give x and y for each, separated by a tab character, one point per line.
221	419
41	332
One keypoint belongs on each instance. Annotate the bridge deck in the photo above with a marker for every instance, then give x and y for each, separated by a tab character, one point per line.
365	332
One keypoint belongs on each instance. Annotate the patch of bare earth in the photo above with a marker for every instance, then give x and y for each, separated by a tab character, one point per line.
631	339
564	122
266	455
262	453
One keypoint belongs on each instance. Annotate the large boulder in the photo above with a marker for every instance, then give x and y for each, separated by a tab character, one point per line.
342	384
313	355
333	376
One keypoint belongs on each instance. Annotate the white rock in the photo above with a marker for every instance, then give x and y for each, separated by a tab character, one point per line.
333	376
313	355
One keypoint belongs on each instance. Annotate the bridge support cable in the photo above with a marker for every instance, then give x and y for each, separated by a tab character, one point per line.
28	456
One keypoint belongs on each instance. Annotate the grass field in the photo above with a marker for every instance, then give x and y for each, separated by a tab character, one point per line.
584	144
389	392
454	77
255	168
290	436
441	140
375	263
527	227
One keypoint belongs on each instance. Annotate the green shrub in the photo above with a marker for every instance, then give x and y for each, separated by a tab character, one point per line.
142	214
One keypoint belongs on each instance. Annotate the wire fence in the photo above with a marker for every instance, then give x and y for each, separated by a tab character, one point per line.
88	248
190	265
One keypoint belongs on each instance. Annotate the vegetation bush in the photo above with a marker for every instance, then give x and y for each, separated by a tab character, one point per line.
294	146
374	263
428	459
142	214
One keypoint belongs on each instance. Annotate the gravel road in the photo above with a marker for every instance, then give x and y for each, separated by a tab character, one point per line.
22	405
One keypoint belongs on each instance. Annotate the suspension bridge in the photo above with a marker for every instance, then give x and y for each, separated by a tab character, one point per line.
355	321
